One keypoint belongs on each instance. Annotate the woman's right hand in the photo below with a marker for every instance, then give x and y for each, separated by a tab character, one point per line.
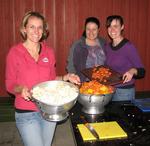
73	78
24	91
127	76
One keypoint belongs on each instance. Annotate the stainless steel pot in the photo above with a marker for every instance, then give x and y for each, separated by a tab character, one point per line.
55	112
94	104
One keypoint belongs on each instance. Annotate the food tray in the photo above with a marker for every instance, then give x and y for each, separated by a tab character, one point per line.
142	104
113	79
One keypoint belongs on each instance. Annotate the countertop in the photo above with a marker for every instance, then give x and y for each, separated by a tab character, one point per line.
132	120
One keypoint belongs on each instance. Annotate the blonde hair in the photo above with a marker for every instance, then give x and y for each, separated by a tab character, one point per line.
25	22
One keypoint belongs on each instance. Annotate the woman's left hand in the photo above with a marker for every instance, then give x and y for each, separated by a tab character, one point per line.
72	78
129	75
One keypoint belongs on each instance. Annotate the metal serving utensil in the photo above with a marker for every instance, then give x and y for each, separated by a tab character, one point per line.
90	127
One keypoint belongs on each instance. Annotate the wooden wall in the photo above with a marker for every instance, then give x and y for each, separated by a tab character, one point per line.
66	23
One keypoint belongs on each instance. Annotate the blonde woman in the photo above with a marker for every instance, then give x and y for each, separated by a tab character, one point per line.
29	63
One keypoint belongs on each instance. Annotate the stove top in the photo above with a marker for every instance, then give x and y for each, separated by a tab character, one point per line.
137	124
134	122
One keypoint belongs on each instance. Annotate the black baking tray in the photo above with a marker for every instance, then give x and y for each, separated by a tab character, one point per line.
115	77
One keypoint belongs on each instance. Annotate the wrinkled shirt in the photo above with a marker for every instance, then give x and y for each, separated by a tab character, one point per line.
122	58
22	69
95	56
78	57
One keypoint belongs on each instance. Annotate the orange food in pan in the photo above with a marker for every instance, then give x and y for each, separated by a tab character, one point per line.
101	74
94	87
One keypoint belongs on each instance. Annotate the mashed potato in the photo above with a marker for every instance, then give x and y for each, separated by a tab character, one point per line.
57	94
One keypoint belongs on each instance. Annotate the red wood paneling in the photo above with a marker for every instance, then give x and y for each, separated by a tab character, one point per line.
6	21
66	23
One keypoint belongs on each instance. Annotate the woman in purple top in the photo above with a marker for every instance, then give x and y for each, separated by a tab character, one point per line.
122	56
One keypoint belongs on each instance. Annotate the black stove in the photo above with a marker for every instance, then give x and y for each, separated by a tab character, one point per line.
134	122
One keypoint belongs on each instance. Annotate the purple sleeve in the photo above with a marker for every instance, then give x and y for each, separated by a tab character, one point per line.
136	61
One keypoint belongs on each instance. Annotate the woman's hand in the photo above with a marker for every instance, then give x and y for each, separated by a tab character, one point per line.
72	78
129	75
24	91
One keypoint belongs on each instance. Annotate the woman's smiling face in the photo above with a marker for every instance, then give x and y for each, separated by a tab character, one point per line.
34	29
115	29
92	31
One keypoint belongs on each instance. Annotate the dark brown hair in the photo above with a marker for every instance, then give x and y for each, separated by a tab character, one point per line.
93	20
114	17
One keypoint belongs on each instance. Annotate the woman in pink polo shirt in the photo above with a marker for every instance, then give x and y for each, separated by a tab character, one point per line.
28	64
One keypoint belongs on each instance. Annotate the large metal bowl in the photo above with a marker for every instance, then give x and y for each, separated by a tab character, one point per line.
94	104
55	112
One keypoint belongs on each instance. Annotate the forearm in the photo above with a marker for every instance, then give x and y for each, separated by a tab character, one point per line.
136	73
69	77
133	71
63	77
140	73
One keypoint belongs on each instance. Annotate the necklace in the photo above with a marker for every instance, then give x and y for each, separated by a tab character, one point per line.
33	51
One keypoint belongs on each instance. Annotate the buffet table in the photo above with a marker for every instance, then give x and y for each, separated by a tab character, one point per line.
132	120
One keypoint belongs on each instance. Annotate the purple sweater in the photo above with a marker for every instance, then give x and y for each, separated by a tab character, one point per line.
122	58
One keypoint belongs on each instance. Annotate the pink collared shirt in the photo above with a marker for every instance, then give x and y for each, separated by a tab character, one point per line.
22	69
